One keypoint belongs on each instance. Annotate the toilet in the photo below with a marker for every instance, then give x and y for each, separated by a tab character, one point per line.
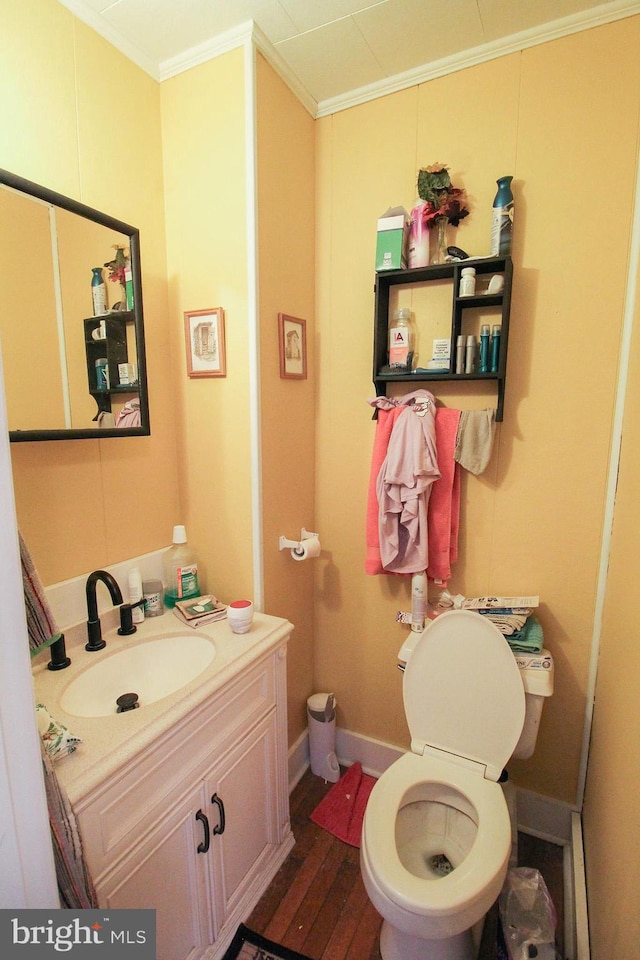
436	835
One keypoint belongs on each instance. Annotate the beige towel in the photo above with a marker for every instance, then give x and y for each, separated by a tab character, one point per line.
474	439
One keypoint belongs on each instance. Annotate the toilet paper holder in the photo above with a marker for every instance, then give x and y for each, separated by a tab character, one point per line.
285	544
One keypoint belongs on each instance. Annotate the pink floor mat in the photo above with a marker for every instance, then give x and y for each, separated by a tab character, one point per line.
342	810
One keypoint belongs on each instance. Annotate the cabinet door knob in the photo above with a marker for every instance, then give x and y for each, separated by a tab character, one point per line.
204	845
220	805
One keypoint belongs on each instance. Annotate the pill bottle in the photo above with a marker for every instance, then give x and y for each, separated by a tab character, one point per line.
467	282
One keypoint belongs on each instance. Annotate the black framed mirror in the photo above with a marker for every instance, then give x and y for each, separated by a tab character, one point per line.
71	319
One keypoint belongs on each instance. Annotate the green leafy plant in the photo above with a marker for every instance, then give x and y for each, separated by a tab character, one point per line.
441	197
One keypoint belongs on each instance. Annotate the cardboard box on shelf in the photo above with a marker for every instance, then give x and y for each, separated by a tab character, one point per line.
392	239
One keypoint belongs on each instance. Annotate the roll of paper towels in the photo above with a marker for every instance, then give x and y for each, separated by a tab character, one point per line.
307	549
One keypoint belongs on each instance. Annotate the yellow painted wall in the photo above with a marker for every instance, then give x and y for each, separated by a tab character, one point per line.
610	816
203	120
85	121
286	247
532	522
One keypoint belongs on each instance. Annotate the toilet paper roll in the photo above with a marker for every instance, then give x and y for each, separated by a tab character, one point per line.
307	549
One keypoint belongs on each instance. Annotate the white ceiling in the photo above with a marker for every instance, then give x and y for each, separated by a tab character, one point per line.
331	48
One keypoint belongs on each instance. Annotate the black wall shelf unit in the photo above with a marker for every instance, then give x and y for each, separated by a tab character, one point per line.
500	302
114	349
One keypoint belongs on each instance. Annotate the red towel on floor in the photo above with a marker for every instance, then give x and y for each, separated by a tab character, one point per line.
341	812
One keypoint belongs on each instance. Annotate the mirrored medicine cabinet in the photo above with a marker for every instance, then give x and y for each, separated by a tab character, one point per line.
71	371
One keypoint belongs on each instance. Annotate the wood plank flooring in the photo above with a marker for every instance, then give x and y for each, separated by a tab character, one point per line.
317	903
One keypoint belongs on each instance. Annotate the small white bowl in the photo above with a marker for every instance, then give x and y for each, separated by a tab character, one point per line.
240	615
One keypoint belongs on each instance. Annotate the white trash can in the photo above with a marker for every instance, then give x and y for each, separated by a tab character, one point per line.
321	717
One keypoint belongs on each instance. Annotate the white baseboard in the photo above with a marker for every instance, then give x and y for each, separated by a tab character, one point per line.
540	816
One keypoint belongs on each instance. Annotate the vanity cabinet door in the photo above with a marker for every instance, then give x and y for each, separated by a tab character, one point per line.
243	812
168	875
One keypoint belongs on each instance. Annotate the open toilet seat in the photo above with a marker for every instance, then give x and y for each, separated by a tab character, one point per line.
458	900
465	706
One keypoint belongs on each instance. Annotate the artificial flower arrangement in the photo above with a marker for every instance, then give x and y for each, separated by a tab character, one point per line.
118	271
442	198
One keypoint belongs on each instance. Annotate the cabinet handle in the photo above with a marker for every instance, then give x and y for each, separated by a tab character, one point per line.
220	805
204	845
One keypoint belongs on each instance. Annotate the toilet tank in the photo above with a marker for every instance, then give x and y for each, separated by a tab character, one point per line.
536	671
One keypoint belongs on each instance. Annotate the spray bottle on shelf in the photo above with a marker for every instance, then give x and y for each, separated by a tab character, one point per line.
180	570
418	601
502	219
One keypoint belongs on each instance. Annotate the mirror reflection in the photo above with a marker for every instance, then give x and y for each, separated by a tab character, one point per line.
71	325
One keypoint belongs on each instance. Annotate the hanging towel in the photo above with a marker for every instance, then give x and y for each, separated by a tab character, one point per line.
444	505
129	416
384	425
74	881
41	624
474	440
404	484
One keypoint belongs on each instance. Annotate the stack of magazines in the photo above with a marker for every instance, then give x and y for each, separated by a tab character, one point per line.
197	611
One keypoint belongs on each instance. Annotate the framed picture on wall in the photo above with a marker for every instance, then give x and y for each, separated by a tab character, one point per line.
204	340
293	347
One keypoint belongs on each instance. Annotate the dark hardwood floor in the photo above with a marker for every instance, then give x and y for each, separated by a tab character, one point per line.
317	903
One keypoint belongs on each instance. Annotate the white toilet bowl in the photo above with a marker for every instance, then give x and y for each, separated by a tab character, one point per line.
436	834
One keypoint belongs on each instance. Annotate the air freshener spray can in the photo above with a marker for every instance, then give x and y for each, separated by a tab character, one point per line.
502	219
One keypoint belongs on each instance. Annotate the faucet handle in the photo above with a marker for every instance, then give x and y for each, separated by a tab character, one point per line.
127	626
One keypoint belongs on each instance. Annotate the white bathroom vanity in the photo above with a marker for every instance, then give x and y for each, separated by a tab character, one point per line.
183	803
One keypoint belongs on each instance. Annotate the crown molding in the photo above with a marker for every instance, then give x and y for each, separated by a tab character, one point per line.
81	10
595	17
246	34
291	79
238	36
250	34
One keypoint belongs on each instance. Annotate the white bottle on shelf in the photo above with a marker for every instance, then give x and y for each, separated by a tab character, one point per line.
401	352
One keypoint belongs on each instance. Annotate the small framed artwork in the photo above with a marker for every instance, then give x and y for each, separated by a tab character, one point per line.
293	347
204	339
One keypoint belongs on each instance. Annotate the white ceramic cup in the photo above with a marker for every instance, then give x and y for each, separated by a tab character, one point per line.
240	615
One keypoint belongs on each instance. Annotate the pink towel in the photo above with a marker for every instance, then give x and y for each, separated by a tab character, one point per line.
384	426
444	505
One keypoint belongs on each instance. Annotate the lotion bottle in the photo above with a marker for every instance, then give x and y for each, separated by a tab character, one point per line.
180	568
418	601
135	594
401	353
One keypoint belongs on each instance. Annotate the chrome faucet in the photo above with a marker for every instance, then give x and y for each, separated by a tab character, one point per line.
94	630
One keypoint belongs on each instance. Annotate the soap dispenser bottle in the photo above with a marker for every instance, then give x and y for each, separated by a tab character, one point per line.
180	568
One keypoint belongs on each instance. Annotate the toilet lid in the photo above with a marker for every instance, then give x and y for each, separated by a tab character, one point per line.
463	693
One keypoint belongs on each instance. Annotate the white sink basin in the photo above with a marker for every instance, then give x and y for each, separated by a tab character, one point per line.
152	669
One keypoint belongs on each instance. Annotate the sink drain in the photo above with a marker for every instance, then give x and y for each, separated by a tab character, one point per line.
127	701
